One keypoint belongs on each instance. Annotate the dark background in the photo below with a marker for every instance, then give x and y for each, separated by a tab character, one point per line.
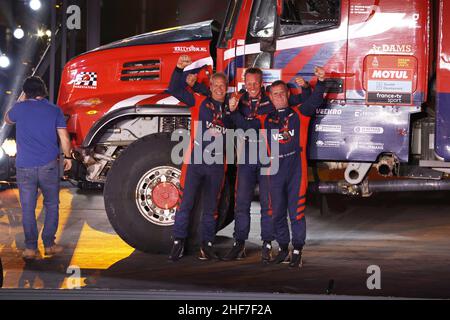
118	19
122	19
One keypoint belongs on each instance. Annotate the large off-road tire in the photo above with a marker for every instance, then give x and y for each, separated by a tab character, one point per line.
142	192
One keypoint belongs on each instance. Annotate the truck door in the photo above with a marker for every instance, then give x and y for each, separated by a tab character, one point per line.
294	36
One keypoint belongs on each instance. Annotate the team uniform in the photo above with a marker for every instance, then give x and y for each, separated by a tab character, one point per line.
248	173
287	187
211	116
202	84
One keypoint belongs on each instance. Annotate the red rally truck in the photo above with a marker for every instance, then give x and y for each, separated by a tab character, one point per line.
387	106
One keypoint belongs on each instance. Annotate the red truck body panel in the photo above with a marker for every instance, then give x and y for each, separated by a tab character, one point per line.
377	56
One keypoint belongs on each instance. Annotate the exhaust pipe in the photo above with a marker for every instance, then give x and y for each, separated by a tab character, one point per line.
368	187
387	166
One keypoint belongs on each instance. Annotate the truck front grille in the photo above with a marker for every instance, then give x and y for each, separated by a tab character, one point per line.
141	70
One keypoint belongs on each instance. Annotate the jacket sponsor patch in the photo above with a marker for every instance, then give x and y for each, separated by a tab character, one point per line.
284	136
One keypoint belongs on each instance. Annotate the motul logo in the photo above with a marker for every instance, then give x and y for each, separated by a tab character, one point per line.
390	74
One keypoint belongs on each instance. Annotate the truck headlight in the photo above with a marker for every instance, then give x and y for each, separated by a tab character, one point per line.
9	147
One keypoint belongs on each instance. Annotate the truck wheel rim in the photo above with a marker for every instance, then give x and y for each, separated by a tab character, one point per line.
158	194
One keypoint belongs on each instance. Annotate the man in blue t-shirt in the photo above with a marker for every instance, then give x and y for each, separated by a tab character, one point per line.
38	126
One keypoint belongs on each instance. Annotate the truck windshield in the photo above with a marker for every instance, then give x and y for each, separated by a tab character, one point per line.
301	16
230	22
262	20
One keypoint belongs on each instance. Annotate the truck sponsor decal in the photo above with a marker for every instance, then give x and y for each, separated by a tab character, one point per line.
85	80
185	49
329	144
328	128
363	113
389	98
360	9
370	145
89	102
392	48
368	130
389	79
328	112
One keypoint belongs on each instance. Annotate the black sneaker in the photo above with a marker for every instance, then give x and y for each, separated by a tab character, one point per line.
296	259
237	252
282	256
177	250
266	252
207	252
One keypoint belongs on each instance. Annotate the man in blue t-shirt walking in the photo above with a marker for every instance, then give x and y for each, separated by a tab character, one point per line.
38	126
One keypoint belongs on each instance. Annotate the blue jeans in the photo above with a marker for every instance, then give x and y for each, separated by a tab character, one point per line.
247	176
46	178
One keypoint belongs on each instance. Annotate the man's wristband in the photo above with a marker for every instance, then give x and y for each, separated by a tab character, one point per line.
68	157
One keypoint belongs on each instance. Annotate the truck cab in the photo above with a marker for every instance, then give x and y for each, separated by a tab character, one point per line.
377	58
